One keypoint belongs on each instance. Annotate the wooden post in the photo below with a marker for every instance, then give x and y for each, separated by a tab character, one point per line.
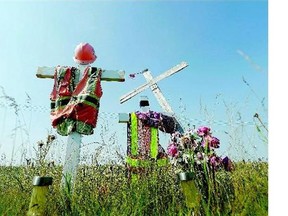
72	157
38	200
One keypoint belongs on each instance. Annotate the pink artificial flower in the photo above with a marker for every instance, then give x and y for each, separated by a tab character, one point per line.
203	131
172	150
206	141
215	161
214	142
141	115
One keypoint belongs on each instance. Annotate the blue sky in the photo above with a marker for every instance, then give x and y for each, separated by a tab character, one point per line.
224	43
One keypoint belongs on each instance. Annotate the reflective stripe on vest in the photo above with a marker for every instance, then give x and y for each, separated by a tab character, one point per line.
70	101
58	102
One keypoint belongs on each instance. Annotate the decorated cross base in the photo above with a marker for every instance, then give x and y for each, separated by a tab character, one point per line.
143	148
84	81
135	146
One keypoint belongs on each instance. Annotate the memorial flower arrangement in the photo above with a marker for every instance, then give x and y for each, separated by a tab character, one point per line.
197	165
194	150
151	118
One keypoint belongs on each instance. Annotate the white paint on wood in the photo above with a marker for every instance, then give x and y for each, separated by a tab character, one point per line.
168	73
158	94
161	99
107	75
72	158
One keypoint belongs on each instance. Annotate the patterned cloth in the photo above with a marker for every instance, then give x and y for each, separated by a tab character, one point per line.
145	122
74	107
143	148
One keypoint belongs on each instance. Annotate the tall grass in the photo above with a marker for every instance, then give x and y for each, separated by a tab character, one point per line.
105	190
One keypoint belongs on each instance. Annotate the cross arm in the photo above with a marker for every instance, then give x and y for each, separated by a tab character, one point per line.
123	117
107	75
168	73
158	94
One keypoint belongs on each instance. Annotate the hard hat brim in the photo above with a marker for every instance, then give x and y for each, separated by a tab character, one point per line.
83	62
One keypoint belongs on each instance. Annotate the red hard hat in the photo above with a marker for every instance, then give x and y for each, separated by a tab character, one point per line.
84	54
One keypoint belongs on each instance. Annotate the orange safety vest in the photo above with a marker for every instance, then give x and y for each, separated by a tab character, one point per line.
75	107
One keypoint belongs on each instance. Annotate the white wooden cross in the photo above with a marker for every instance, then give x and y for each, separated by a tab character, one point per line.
152	83
72	157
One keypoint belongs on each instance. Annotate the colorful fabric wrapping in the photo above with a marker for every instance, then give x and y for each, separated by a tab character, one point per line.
74	107
143	148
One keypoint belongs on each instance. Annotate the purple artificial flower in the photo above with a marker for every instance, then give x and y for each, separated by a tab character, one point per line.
215	161
214	142
141	115
206	141
227	164
203	131
132	75
172	150
150	119
212	160
154	115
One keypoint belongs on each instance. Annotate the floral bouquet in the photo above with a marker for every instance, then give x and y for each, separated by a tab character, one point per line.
151	118
195	149
193	154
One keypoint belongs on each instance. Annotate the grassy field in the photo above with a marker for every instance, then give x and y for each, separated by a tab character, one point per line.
105	190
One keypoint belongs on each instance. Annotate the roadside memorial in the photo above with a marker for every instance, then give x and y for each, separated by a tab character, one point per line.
152	83
146	118
75	101
143	147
